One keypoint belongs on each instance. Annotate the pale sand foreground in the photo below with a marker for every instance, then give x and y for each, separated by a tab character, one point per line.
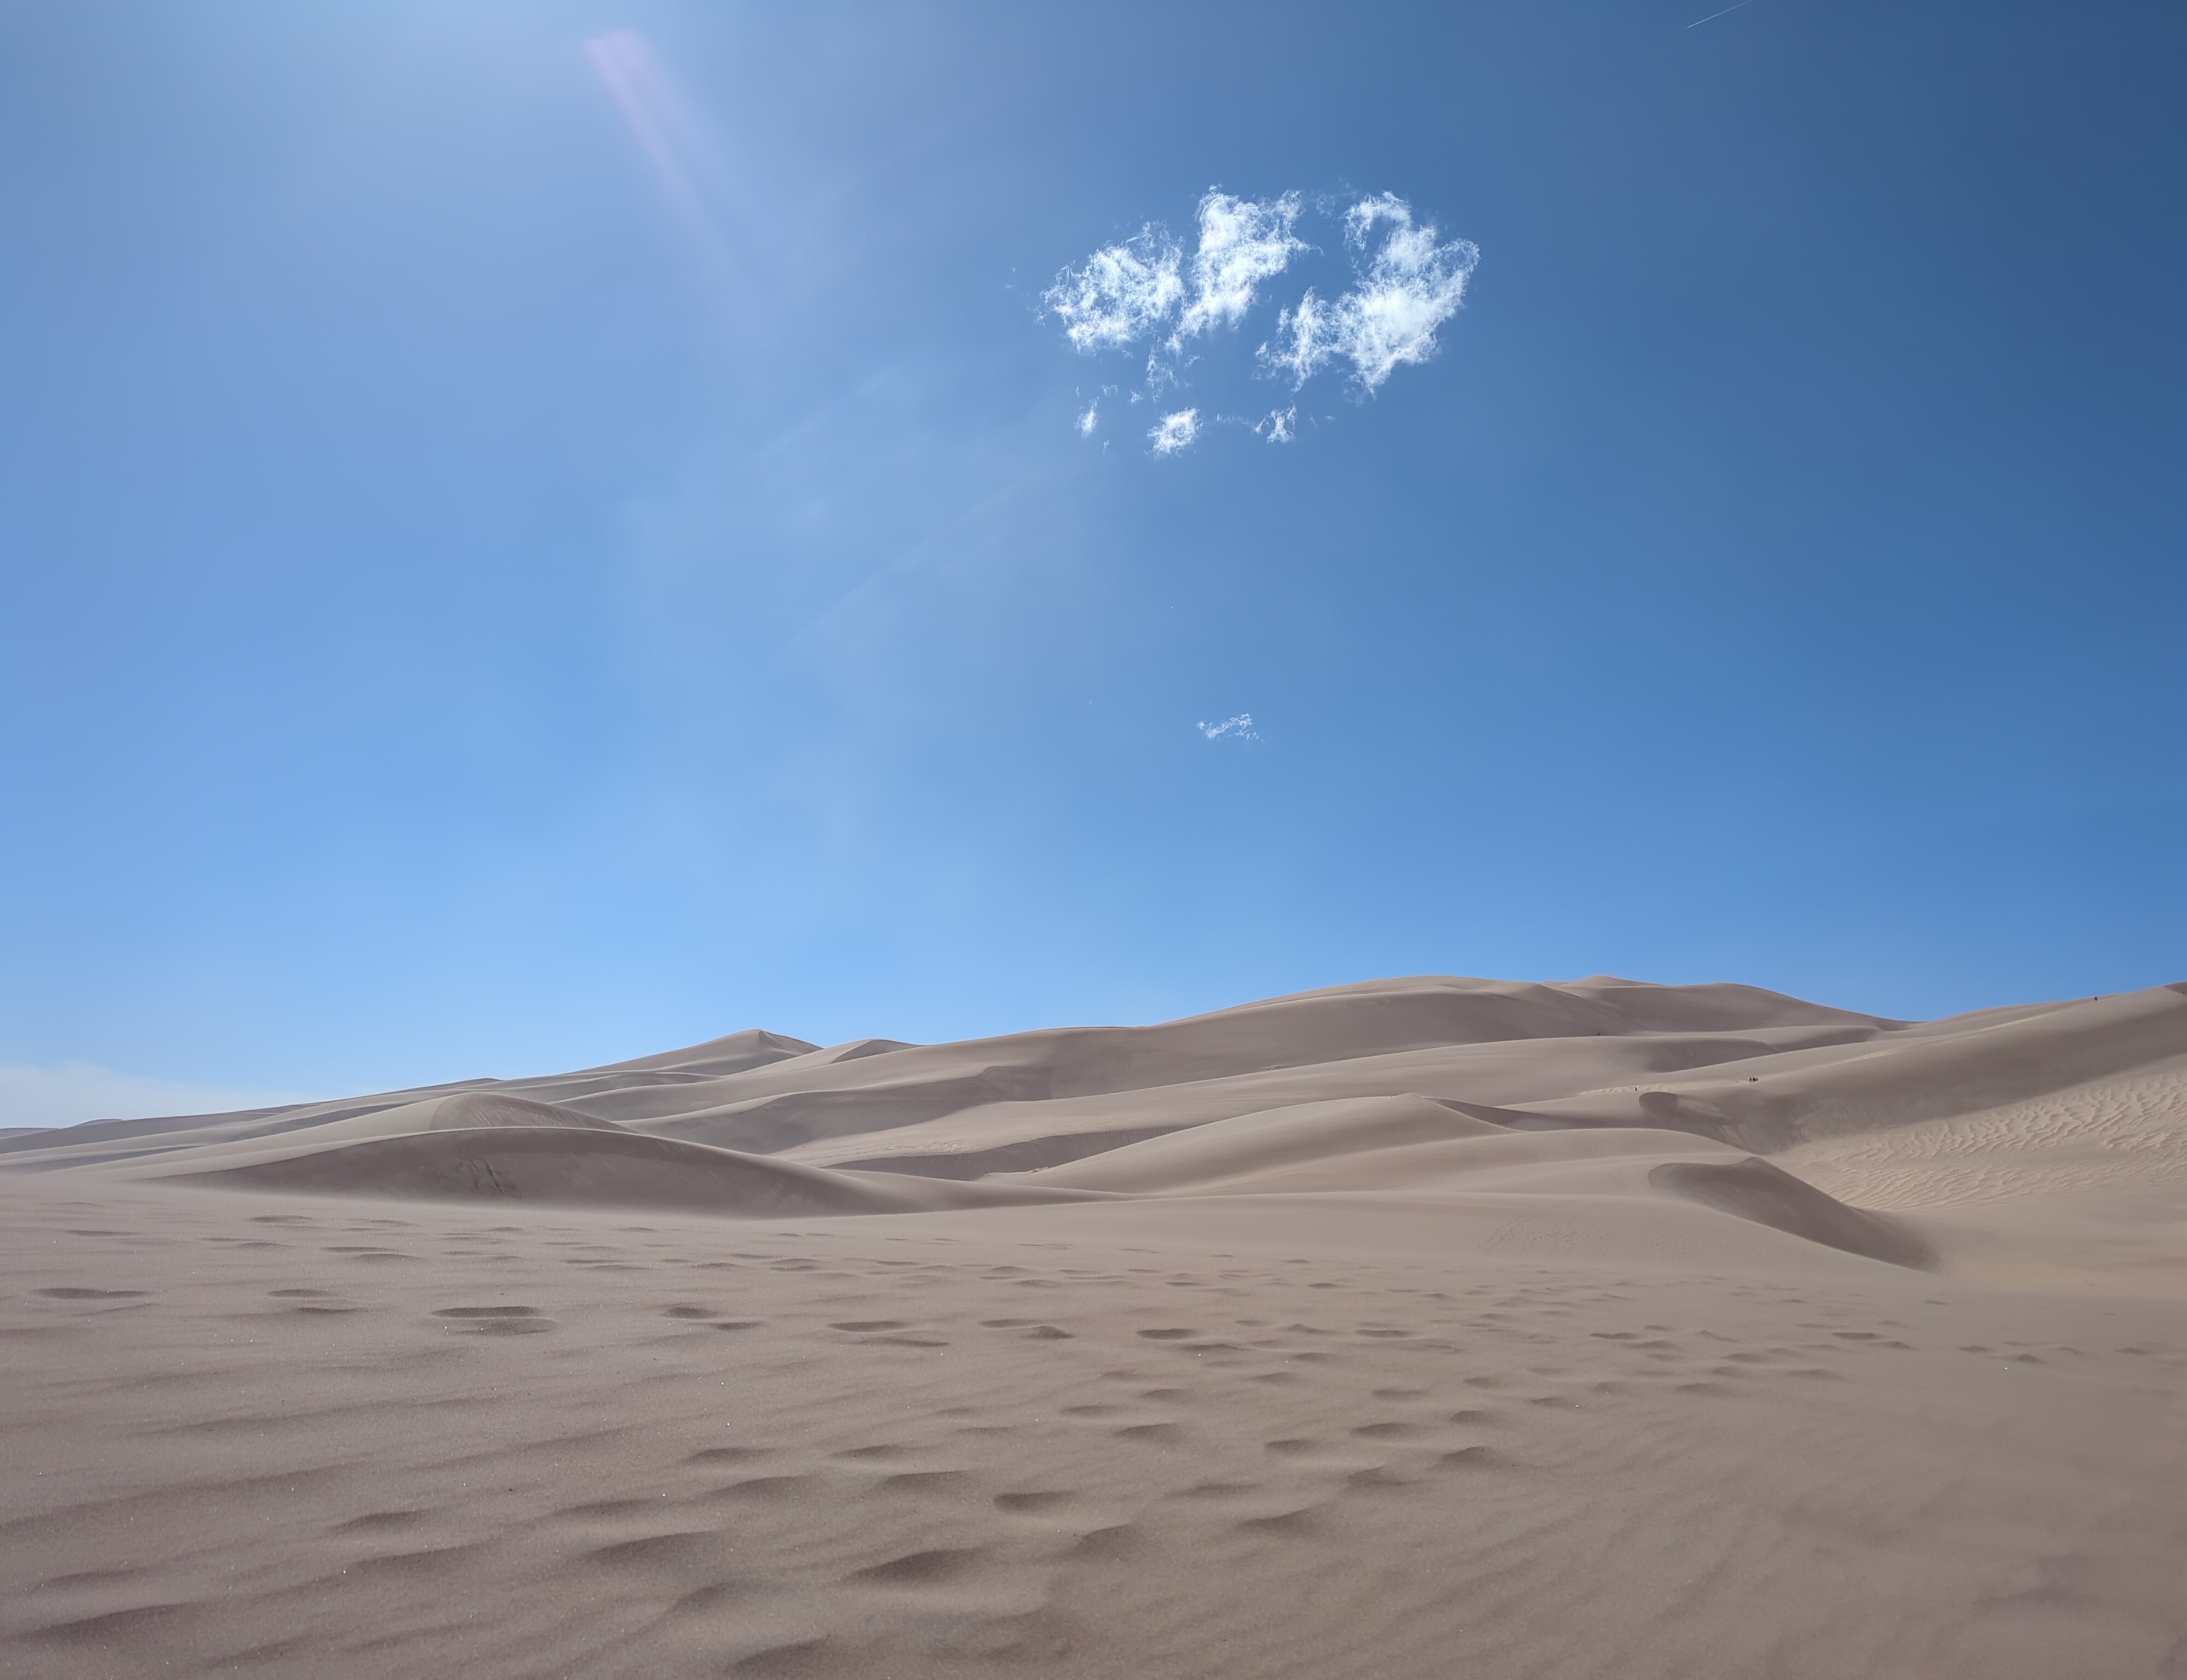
1443	1330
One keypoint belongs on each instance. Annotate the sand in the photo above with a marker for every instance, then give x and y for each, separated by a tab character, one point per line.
1421	1328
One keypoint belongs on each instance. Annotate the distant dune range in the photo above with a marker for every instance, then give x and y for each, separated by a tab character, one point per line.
1426	1086
1421	1327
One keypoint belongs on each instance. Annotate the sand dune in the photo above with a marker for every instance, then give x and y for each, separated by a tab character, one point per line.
758	1123
1431	1326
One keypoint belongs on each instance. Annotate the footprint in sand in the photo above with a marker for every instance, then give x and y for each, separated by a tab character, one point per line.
375	1521
791	1662
1300	1522
423	1565
763	1487
923	1481
921	1569
1119	1541
603	1508
1038	1500
725	1455
1377	1479
711	1597
495	1321
652	1548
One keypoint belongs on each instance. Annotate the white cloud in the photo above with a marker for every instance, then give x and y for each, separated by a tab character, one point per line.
1360	221
1090	418
1125	292
1242	242
1412	285
1238	728
1307	336
76	1091
1173	432
1166	365
1406	282
1122	292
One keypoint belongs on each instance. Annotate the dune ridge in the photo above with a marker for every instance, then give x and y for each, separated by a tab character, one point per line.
1308	1092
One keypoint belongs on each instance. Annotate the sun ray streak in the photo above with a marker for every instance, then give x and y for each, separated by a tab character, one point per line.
685	158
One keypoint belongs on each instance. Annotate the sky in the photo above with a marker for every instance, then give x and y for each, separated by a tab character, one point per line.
534	533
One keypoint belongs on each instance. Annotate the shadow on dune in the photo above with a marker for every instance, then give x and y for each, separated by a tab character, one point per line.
590	1163
1769	1195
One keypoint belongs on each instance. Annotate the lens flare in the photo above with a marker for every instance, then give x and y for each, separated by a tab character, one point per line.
685	157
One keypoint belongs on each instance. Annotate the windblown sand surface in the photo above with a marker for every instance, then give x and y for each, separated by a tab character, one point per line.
1424	1328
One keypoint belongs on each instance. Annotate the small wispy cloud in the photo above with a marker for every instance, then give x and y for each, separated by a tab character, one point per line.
1406	282
1090	418
1238	728
1173	432
1120	293
1125	292
1406	291
1243	242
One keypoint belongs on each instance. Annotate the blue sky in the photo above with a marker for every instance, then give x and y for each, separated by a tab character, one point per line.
531	533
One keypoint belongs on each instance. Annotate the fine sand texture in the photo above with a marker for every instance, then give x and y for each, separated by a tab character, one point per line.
1431	1327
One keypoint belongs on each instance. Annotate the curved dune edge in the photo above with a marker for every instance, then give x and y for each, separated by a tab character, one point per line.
474	1111
605	1168
1769	1195
1296	1134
